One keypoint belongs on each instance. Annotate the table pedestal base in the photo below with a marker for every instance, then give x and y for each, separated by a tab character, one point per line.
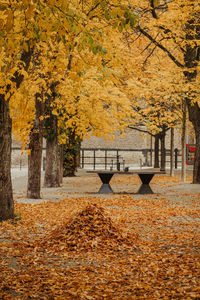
105	188
145	188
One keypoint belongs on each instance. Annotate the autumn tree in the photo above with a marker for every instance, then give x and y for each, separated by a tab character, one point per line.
158	110
25	24
172	28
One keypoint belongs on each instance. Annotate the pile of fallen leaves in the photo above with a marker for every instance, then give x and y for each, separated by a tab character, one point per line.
73	250
90	229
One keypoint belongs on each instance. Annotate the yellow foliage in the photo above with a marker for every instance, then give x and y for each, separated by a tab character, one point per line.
103	77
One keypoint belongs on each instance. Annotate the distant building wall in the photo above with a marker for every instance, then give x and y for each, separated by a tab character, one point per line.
141	143
132	139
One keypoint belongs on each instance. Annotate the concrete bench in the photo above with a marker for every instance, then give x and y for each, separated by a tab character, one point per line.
145	176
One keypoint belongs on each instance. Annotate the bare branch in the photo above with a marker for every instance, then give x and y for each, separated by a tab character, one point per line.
141	130
92	9
152	51
159	45
166	30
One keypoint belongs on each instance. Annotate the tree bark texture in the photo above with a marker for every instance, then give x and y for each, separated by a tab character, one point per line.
34	165
183	143
162	147
52	170
156	151
61	154
172	153
35	157
6	196
194	116
192	58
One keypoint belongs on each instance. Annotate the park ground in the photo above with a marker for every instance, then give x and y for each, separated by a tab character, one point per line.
76	244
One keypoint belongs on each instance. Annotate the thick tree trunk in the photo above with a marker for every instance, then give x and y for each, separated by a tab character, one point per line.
61	151
172	153
156	151
35	157
6	196
196	171
52	170
192	58
194	116
34	165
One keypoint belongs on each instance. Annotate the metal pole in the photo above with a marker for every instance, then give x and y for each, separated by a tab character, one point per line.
94	159
105	159
118	163
82	158
151	152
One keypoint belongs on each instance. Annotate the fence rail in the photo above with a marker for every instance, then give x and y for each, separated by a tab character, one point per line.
101	157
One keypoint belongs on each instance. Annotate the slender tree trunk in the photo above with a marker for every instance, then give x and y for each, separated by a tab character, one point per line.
78	155
163	154
183	144
156	151
172	153
6	196
151	152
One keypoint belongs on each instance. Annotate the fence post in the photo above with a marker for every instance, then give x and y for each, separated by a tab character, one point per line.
82	159
94	159
111	168
118	163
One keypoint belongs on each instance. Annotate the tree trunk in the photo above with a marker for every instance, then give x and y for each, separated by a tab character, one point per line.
183	144
34	165
35	157
194	116
61	150
71	154
192	58
156	151
163	152
196	171
172	153
6	196
52	170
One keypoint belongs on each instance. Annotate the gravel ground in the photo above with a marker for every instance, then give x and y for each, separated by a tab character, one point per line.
84	184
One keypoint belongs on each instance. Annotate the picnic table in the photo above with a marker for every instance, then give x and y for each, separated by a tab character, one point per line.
145	176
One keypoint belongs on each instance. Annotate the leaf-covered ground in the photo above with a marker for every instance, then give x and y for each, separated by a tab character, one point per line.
123	246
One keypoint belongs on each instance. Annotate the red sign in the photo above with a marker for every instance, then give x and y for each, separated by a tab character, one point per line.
190	151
